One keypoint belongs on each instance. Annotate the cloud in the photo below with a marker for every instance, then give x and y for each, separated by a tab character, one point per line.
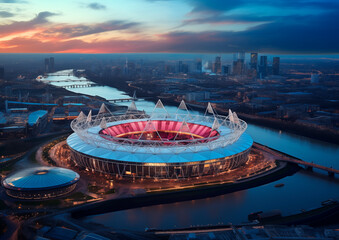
294	34
22	26
96	6
12	1
227	19
214	5
5	14
317	32
25	45
201	6
312	34
70	31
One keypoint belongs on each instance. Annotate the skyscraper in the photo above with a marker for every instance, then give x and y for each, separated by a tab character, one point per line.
254	61
241	56
263	67
2	72
126	70
238	63
46	65
226	69
217	65
199	65
180	67
276	66
51	64
184	68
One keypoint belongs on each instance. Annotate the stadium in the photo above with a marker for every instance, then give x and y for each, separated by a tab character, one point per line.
160	145
40	183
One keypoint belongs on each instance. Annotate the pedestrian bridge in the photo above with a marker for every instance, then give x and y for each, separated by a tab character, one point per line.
307	165
310	166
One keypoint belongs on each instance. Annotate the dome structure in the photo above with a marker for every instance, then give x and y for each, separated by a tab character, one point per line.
40	182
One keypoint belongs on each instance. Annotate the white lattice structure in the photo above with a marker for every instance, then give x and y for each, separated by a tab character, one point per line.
159	145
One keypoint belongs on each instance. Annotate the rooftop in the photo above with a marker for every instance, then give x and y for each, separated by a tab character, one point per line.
33	118
40	178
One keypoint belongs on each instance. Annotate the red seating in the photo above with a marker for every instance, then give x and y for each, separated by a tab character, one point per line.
167	130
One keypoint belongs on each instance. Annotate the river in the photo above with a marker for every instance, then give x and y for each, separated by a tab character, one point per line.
303	190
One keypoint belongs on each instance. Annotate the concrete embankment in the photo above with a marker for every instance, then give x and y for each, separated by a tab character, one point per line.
181	195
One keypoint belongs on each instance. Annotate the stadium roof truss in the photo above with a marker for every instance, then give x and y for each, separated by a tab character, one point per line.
229	129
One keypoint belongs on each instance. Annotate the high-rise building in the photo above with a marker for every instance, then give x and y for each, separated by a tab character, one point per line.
199	65
254	61
51	64
46	65
263	60
241	56
185	68
180	67
226	69
263	67
238	67
238	63
125	68
217	65
2	72
276	66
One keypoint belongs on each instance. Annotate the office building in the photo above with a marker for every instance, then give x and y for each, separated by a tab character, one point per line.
263	67
2	72
276	66
51	64
199	66
46	70
254	61
217	65
226	69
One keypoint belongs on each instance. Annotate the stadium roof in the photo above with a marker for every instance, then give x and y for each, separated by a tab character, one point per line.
41	178
163	155
90	140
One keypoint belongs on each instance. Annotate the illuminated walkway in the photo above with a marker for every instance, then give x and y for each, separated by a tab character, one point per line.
310	166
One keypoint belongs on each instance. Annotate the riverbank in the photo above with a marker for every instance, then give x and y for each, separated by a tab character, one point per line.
321	134
183	195
318	133
321	216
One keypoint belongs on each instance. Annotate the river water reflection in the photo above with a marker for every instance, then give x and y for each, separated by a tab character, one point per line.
303	190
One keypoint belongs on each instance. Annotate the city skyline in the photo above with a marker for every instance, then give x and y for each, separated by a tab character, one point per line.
301	27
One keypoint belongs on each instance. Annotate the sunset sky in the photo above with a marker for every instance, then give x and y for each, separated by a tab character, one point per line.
197	26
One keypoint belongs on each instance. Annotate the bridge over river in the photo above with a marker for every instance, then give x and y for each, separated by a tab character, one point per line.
310	166
134	98
307	165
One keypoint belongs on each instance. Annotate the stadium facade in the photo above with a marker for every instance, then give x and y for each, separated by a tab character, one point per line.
41	183
160	145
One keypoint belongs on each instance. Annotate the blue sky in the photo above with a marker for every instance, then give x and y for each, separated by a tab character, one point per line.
201	26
